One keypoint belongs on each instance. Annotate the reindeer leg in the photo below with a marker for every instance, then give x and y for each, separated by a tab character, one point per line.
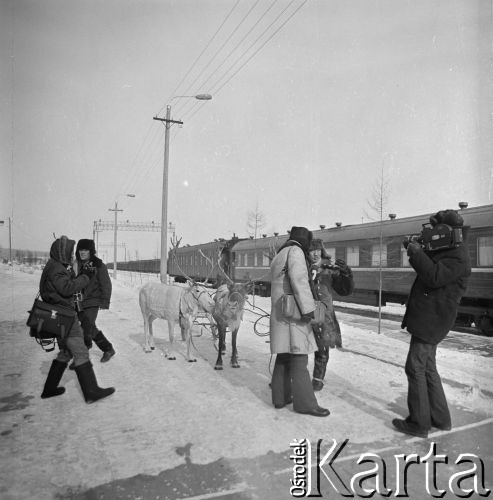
222	334
147	348
148	334
151	333
234	352
171	332
186	332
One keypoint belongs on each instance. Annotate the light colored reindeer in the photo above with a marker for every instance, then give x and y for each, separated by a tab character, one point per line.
176	304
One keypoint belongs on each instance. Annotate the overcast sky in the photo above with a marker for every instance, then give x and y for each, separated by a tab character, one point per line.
312	100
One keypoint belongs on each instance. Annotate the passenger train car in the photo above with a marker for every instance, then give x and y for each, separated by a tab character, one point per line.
359	245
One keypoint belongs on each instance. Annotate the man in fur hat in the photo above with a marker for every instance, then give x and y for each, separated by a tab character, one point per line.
327	277
431	309
96	295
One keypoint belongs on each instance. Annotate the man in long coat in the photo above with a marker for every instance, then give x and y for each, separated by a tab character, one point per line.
292	339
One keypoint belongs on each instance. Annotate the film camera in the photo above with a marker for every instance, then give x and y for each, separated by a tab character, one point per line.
436	237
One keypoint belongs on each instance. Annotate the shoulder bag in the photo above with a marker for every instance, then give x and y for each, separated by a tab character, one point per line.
49	322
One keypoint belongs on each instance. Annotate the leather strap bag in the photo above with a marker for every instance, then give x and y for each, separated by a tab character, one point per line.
48	322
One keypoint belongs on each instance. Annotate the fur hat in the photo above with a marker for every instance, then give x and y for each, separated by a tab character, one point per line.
301	235
318	244
449	217
86	245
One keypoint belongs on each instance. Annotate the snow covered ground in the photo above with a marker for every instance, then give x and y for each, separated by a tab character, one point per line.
171	414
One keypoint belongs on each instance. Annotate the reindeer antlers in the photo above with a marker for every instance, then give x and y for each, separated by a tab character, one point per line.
231	282
175	243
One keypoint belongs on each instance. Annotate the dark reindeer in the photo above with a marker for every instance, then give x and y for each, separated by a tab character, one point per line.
229	304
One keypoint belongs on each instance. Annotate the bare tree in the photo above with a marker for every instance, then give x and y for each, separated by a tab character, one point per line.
256	221
378	205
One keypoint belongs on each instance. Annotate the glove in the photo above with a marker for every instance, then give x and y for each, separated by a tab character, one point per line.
306	318
106	305
341	264
413	248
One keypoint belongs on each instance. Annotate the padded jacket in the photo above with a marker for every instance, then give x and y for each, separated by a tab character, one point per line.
98	291
441	282
58	282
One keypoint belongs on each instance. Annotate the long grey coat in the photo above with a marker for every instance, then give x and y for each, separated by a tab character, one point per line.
289	336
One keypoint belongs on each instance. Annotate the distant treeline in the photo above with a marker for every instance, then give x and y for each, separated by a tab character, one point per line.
24	256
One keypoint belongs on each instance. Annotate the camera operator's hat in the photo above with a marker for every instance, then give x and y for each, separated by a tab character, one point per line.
302	235
449	217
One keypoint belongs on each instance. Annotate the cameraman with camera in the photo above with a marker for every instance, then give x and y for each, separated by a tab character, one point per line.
441	261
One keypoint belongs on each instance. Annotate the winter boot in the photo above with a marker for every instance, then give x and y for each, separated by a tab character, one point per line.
51	388
105	345
89	385
108	355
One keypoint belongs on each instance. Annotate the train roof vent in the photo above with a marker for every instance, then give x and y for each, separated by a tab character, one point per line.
338	224
322	226
392	216
264	236
276	234
463	204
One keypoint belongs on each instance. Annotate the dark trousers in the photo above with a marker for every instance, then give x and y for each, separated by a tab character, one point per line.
87	319
425	398
291	379
73	346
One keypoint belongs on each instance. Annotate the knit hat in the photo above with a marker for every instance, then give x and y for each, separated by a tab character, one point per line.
86	245
301	235
449	217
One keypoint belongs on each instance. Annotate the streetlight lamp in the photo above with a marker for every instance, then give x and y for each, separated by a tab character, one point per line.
115	238
164	210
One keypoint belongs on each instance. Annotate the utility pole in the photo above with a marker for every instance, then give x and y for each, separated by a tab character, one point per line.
164	212
116	210
164	207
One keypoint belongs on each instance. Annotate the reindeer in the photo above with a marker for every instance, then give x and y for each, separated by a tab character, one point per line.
229	303
176	304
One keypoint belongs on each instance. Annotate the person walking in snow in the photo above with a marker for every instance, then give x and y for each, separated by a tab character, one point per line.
327	278
57	286
96	295
442	277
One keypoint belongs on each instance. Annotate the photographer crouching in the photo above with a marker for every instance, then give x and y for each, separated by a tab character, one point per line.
440	259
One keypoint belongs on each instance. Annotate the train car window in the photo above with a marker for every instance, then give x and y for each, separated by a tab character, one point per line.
332	252
404	258
352	256
485	251
378	254
265	259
